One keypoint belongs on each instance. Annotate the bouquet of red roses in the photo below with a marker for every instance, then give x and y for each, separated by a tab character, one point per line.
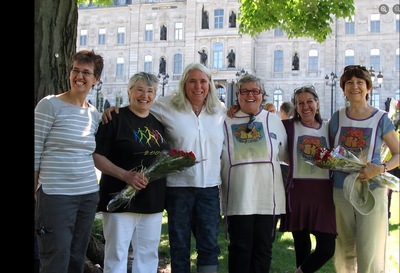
167	162
341	159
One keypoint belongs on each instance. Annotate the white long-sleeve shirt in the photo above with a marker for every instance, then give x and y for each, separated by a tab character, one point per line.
201	134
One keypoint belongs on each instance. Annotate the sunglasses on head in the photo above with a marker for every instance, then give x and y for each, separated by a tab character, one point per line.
305	88
250	124
361	67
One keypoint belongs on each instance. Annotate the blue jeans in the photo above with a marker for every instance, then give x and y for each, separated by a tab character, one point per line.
193	210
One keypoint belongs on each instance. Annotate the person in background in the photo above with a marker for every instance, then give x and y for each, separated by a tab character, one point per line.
310	209
270	107
362	129
65	183
286	110
193	119
252	190
131	141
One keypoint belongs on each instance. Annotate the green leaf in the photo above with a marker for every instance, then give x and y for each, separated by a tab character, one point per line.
298	18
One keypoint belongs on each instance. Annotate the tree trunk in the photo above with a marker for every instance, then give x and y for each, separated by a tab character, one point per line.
55	42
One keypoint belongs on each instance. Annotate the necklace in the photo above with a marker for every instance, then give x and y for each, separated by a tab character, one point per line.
196	111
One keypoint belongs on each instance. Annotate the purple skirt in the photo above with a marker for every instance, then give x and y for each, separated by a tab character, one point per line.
309	206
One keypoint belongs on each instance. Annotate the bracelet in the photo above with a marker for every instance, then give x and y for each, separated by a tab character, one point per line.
385	169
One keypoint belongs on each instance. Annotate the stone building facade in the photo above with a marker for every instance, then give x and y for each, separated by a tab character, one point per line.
128	35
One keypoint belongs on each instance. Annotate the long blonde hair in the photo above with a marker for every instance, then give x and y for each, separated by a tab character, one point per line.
180	100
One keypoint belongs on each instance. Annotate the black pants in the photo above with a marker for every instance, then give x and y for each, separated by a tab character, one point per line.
324	249
250	246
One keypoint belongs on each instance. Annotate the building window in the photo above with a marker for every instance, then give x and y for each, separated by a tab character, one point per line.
217	55
121	36
348	57
397	23
219	18
278	61
349	25
375	59
313	60
375	23
148	63
397	96
102	36
178	31
277	98
397	65
221	92
278	32
375	98
120	67
83	37
178	64
148	36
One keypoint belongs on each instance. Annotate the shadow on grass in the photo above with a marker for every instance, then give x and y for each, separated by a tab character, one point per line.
393	227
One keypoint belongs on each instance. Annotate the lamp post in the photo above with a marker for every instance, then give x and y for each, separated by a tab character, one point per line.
98	88
238	75
331	81
164	81
379	79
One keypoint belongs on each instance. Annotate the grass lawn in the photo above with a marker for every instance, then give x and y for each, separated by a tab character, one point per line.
283	258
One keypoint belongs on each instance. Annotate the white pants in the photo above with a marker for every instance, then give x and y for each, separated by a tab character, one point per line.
361	241
143	231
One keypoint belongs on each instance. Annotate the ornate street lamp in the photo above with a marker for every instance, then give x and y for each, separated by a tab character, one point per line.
331	81
164	81
379	79
238	75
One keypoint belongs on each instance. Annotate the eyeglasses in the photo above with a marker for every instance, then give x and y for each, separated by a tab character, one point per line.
349	67
250	124
253	91
85	73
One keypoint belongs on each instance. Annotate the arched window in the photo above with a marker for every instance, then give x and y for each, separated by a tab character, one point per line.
148	63
277	98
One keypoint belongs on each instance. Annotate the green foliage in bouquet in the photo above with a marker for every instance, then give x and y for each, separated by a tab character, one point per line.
166	163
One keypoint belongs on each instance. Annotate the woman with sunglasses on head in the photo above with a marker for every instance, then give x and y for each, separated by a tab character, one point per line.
362	239
252	190
310	209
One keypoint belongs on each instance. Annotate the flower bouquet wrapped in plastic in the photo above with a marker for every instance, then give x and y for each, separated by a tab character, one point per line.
167	162
341	159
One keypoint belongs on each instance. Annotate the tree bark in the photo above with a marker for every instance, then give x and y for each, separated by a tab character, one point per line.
55	42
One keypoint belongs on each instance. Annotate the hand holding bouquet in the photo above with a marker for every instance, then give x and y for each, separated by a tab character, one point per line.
167	162
341	159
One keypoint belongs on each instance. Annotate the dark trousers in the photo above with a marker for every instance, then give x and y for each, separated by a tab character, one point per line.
324	249
63	225
250	246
